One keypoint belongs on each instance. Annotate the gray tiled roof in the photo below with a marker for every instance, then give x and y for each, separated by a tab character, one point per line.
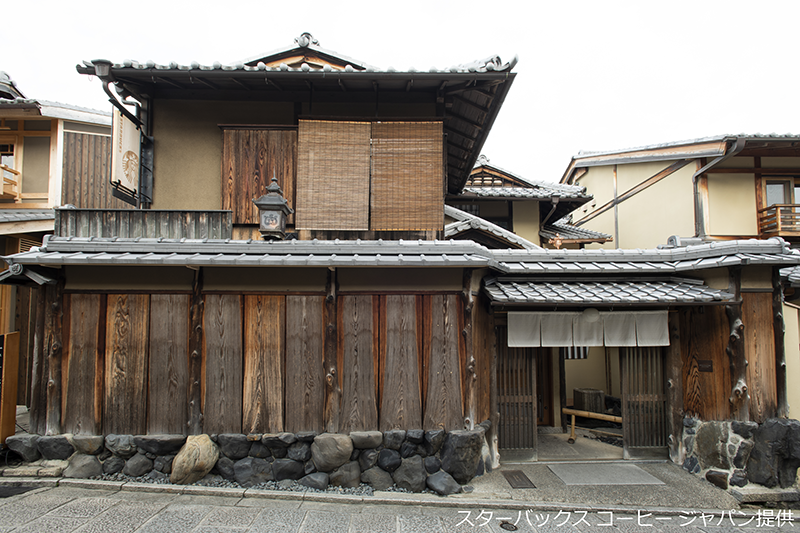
572	233
25	215
207	252
603	292
542	191
792	275
466	221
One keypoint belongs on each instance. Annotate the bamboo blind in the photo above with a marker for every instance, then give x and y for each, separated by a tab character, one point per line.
333	175
407	176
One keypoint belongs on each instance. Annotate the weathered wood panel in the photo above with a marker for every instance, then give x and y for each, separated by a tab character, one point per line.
305	376
143	223
168	369
125	406
333	378
264	345
359	406
222	390
86	172
250	158
706	371
483	342
25	320
759	348
84	365
54	353
443	406
673	365
194	423
39	371
401	406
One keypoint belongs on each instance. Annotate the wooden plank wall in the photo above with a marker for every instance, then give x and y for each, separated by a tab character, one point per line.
168	369
760	352
148	223
127	332
222	369
83	364
264	319
86	172
704	337
305	374
126	363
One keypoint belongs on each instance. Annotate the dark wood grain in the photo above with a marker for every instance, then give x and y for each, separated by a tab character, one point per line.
759	340
168	369
443	407
704	337
737	356
779	330
401	406
264	346
333	384
673	366
83	365
222	390
39	372
359	408
305	376
54	349
127	321
194	409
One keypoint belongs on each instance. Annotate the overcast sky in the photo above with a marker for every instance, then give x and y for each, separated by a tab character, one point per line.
592	75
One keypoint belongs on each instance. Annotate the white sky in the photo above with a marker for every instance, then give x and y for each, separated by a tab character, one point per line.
592	75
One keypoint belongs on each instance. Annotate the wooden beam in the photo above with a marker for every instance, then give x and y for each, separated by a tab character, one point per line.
194	411
333	391
674	369
494	416
562	387
739	398
53	352
758	169
779	329
652	180
471	378
39	373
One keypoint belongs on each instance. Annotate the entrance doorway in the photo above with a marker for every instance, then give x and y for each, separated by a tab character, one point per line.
644	403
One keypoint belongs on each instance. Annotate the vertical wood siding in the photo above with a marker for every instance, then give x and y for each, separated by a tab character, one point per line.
305	387
168	369
222	391
125	408
86	172
126	363
263	363
250	158
359	405
400	399
83	365
760	354
704	338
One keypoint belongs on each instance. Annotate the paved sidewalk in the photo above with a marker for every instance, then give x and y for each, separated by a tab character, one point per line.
68	508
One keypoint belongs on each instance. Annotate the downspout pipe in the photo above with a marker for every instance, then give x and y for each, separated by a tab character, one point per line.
102	69
554	200
699	222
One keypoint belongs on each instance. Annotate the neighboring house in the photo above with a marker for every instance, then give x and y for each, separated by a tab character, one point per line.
535	211
715	188
51	154
369	314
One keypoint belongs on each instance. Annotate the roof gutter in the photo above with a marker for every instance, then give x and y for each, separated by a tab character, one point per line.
699	213
553	200
102	69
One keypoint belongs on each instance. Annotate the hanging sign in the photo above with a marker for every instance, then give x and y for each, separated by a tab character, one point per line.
126	138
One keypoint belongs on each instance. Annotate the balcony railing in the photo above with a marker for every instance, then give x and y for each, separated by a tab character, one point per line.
781	220
10	183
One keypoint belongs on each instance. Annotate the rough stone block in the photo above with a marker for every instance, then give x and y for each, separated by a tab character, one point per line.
121	445
331	450
443	483
88	444
389	460
366	439
55	447
25	446
234	445
460	454
347	475
160	444
377	478
394	438
83	466
411	474
316	480
138	465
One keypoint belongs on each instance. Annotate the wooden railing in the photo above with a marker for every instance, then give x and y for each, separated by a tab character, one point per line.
150	223
779	220
10	189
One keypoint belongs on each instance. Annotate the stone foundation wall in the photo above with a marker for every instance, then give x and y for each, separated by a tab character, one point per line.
413	460
737	453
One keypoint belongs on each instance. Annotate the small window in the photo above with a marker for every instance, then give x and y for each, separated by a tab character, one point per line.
7	159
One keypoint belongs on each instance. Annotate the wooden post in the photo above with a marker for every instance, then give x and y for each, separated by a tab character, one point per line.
194	423
53	351
674	367
333	392
494	413
562	387
779	329
739	398
39	374
8	398
471	399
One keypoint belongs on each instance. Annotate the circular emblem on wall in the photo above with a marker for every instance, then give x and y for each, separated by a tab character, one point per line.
130	166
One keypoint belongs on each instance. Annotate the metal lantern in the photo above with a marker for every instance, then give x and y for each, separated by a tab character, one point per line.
272	211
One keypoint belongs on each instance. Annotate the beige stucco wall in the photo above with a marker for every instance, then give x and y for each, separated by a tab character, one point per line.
666	208
780	162
36	164
791	317
188	147
526	220
732	205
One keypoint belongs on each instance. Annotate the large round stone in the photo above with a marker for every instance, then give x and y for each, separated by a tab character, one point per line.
443	483
25	446
347	475
138	465
461	453
389	460
234	445
160	444
287	469
366	439
121	445
411	474
330	451
55	447
251	471
315	480
196	459
88	444
377	478
83	466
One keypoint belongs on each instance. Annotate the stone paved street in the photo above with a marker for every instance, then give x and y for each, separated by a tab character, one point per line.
67	509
